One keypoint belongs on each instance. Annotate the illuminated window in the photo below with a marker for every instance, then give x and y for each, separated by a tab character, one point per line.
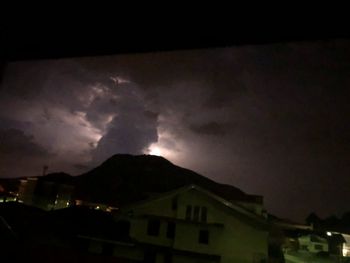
153	227
188	212
203	237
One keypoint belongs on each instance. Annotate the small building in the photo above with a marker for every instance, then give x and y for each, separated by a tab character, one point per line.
47	192
313	243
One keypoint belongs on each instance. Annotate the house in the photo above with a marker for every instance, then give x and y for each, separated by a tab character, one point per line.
285	233
339	243
313	243
191	224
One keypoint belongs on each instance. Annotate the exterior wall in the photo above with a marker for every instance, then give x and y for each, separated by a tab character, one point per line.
236	241
138	230
346	246
128	252
120	251
229	236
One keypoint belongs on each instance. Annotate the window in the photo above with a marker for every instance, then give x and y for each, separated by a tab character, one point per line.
196	213
170	233
153	227
203	237
204	214
174	204
188	212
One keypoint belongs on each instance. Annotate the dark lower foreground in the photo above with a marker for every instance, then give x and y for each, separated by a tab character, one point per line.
303	256
49	254
19	252
164	229
81	234
188	224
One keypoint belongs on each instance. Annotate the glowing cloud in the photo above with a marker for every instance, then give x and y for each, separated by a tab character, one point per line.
155	150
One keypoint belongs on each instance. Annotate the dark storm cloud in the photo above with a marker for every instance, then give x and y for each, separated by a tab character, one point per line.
20	154
66	95
8	123
134	127
211	128
15	142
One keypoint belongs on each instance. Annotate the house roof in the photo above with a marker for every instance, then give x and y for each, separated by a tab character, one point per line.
233	207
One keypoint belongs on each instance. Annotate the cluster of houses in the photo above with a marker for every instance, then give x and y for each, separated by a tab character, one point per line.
191	224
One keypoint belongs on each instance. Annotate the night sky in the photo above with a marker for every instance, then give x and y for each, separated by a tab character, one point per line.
270	119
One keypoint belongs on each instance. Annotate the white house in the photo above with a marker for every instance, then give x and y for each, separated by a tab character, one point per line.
192	224
313	243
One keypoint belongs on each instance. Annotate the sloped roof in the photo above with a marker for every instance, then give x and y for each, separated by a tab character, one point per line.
233	207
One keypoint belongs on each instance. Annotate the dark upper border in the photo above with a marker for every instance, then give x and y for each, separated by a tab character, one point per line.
31	42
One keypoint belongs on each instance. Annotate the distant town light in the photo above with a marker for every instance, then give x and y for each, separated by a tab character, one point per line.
67	203
97	207
329	234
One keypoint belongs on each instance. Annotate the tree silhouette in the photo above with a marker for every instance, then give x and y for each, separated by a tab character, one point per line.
313	219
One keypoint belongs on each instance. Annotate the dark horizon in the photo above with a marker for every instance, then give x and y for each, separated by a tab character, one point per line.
269	119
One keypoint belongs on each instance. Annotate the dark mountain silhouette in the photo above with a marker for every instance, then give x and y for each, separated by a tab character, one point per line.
126	178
